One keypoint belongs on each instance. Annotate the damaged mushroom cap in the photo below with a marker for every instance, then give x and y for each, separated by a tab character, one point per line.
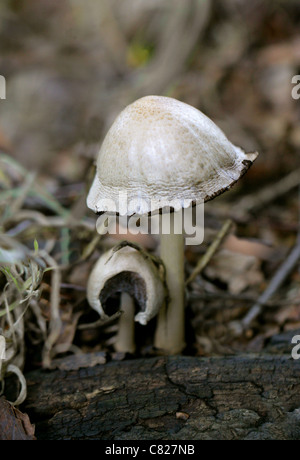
162	149
127	269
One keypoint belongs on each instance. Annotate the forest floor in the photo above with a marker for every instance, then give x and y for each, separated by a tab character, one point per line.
69	71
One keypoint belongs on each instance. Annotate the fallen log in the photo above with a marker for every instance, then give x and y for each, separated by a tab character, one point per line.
168	398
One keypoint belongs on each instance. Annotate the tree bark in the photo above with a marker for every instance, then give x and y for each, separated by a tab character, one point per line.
167	398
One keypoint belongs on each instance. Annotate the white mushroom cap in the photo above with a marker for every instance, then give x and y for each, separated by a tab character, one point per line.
162	149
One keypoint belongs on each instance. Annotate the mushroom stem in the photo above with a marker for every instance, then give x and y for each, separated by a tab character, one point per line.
125	336
169	334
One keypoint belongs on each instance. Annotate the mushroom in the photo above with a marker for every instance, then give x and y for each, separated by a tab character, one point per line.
138	277
159	151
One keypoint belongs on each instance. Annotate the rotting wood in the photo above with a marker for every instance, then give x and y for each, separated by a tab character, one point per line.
238	397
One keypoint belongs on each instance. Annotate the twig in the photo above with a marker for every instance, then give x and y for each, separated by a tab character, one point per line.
275	283
17	204
277	280
93	244
196	296
100	322
268	194
210	252
112	36
55	320
183	27
90	247
50	221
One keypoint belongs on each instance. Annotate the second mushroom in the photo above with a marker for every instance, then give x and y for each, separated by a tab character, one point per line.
140	280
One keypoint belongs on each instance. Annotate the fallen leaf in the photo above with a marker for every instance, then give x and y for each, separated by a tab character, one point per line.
248	247
238	271
14	425
79	361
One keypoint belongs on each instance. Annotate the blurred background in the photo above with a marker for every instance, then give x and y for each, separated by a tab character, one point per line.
72	65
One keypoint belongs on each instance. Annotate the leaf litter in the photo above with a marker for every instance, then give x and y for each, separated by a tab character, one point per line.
48	239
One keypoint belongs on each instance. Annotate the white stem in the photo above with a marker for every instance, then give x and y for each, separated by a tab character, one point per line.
125	336
169	334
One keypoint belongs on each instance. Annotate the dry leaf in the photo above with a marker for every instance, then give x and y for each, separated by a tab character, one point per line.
14	425
75	362
238	271
247	247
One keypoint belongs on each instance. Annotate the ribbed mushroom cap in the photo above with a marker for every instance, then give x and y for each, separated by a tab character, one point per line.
163	150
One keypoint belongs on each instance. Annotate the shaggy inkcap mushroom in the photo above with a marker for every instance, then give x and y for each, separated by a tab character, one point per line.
162	150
